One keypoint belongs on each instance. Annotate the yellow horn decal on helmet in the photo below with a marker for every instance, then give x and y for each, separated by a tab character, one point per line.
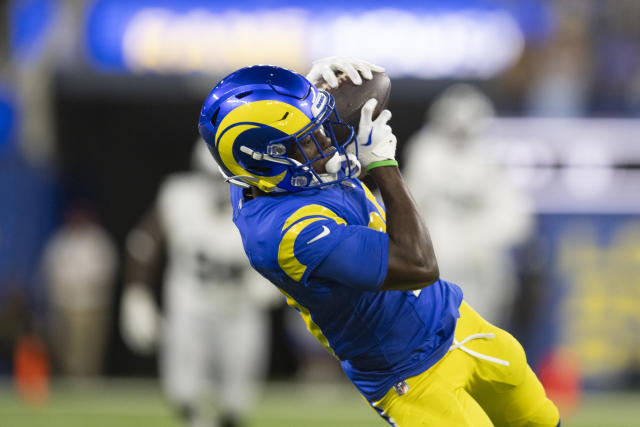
225	148
267	112
279	115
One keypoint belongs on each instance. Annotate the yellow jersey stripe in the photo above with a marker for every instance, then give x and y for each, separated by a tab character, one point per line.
312	327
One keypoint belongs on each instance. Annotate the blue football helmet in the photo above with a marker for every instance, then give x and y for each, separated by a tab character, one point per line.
252	118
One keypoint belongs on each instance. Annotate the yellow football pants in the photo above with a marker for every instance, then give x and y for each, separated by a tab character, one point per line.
466	390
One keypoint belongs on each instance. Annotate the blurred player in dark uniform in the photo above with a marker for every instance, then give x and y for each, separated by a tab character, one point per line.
364	278
214	345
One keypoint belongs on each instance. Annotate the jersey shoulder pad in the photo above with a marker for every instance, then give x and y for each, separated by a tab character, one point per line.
307	235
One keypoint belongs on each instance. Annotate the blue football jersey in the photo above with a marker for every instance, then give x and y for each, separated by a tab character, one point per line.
327	251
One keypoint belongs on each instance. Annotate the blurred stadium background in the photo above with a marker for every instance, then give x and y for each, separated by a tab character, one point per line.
99	100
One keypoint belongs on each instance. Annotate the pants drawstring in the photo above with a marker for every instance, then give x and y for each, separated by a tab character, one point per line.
461	346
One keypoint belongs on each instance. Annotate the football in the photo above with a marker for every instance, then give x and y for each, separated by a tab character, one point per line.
350	97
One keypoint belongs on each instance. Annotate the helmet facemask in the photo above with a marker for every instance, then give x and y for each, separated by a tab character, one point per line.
330	141
270	128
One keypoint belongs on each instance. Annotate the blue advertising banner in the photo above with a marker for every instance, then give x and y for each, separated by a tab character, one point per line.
408	36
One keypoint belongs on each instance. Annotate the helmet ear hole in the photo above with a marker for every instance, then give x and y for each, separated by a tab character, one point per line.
214	118
243	94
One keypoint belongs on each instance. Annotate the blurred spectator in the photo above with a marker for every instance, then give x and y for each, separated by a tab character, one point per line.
474	216
215	334
79	265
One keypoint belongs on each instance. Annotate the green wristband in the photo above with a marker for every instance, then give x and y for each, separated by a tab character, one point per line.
389	162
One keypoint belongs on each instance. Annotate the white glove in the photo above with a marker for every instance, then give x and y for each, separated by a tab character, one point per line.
376	141
139	319
326	68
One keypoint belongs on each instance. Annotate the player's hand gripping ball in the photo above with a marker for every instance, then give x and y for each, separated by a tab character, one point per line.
352	82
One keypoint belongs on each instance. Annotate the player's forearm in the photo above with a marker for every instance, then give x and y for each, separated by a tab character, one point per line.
139	274
144	248
412	261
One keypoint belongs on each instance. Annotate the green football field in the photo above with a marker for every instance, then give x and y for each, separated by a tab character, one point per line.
140	404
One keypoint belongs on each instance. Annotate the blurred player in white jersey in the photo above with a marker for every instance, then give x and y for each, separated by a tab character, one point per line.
215	329
475	216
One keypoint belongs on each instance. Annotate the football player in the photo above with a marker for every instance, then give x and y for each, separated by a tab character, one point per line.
364	278
475	216
215	326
